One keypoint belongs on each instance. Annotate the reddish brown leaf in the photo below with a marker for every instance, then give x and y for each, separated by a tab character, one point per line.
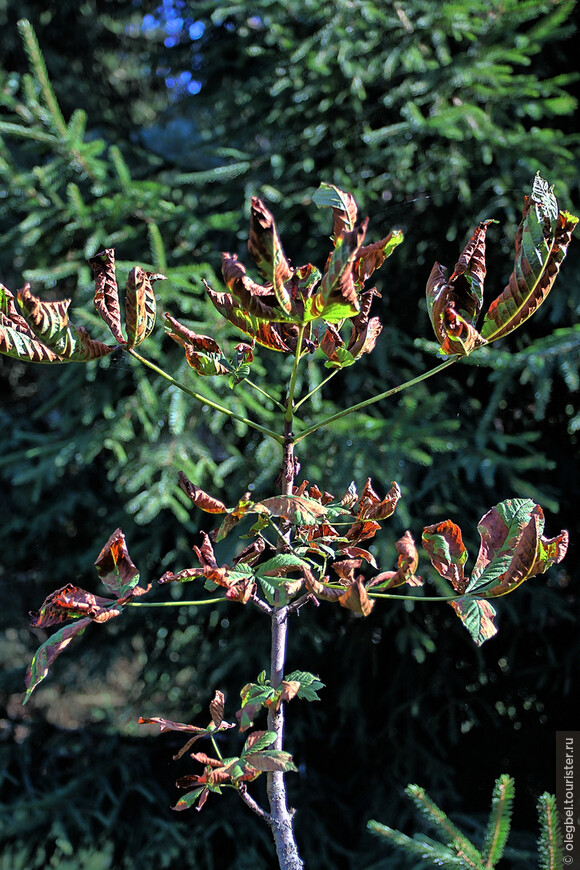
201	499
114	566
216	709
107	291
355	598
266	250
363	340
70	602
444	544
362	531
254	298
407	564
296	509
140	305
371	507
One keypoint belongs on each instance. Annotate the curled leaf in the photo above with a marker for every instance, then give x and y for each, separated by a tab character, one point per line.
266	250
140	305
371	507
107	291
454	305
513	548
444	544
201	499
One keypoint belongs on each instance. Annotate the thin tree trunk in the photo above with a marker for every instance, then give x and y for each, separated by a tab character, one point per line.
281	817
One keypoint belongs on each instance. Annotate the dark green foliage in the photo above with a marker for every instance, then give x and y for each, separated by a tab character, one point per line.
457	850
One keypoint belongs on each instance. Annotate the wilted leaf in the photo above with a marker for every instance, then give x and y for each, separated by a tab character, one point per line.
513	548
265	333
107	291
296	509
201	499
202	352
454	305
407	564
541	244
140	305
444	544
70	602
48	652
50	324
371	507
356	599
372	257
337	296
253	298
115	568
266	250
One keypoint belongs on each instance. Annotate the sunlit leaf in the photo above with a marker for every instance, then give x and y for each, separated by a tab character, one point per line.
266	250
71	602
107	291
202	352
263	332
454	305
513	548
477	617
371	507
140	305
50	323
541	244
407	563
115	567
343	206
201	499
444	544
297	509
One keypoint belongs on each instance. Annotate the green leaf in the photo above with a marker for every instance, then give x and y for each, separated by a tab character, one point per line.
477	616
342	204
309	685
258	741
550	843
541	244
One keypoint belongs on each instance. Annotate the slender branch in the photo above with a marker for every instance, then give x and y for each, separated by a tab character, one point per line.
204	399
315	389
415	597
252	804
175	603
374	399
292	386
263	393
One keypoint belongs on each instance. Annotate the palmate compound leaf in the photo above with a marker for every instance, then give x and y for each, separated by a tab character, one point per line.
41	331
454	305
512	550
72	603
541	243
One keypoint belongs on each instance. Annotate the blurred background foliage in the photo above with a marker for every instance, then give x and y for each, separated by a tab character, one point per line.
149	129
